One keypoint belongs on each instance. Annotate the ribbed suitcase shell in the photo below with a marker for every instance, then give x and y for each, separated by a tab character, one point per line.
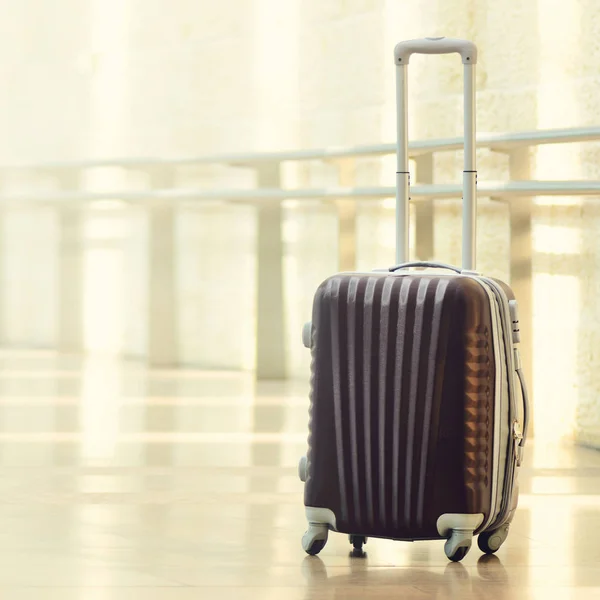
402	391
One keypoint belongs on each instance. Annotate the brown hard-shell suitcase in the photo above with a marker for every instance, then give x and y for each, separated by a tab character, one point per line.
416	426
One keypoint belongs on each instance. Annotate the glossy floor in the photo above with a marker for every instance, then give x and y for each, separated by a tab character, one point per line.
120	483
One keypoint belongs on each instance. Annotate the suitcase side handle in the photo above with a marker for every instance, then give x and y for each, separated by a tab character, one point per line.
425	264
522	434
436	45
402	52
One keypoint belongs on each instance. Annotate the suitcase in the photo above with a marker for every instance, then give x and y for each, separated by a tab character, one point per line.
418	407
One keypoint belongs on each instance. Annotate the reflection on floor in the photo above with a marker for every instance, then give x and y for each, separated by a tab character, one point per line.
121	483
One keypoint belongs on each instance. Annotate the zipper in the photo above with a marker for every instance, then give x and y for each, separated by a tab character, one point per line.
515	432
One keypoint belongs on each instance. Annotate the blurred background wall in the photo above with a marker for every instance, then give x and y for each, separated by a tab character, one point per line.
86	79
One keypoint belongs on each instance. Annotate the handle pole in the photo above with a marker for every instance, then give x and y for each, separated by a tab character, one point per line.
469	209
402	171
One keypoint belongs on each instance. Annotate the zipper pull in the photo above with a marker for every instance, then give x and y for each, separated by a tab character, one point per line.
517	431
518	438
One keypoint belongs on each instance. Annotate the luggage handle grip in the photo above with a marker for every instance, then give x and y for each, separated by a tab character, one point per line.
436	45
426	264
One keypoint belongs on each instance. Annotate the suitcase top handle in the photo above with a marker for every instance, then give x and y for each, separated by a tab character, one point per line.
402	53
436	45
425	265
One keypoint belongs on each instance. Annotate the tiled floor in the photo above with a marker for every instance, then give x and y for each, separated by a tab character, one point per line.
119	483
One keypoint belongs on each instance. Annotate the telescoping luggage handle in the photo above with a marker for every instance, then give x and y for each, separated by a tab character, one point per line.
468	53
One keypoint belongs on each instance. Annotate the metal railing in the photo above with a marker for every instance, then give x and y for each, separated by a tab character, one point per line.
494	141
164	195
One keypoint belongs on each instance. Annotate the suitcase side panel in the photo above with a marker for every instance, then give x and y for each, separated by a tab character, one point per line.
401	404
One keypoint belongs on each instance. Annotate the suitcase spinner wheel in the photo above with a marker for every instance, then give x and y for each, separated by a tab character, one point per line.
458	545
314	540
357	542
490	541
